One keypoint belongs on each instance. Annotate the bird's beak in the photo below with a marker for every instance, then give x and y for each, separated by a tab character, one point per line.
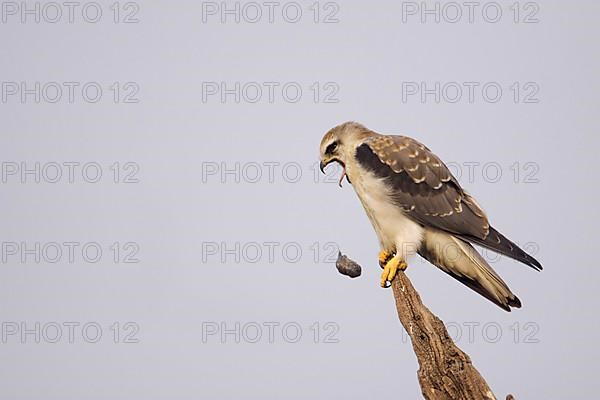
325	162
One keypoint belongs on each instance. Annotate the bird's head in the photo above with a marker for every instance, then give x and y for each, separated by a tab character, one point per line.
339	143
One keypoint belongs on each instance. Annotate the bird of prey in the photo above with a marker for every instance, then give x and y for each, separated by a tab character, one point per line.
416	206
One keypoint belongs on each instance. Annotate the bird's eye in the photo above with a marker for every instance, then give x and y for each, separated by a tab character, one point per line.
331	148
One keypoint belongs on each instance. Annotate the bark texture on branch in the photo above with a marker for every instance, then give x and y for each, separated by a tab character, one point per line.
445	371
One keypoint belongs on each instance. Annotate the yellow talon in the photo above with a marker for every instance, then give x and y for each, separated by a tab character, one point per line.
390	269
384	257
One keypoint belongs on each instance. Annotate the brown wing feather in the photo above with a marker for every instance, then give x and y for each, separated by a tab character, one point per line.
423	185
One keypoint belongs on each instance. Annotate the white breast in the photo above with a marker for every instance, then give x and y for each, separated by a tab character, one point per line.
396	232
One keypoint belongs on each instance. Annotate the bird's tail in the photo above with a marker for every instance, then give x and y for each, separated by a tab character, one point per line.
461	261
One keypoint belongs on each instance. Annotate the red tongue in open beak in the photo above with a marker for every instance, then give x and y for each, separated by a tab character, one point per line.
343	175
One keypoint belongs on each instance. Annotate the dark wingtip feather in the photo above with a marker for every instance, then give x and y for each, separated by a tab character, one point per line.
526	258
499	243
536	263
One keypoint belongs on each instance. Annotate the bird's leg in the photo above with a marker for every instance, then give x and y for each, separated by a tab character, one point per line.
391	267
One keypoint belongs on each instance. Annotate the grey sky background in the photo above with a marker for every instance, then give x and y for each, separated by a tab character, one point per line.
184	211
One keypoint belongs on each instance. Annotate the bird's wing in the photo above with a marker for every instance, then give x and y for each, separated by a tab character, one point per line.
423	186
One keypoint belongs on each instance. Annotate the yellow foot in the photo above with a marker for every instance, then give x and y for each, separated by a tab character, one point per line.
384	257
390	269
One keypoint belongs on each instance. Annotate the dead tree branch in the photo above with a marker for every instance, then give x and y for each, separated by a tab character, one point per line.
445	371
